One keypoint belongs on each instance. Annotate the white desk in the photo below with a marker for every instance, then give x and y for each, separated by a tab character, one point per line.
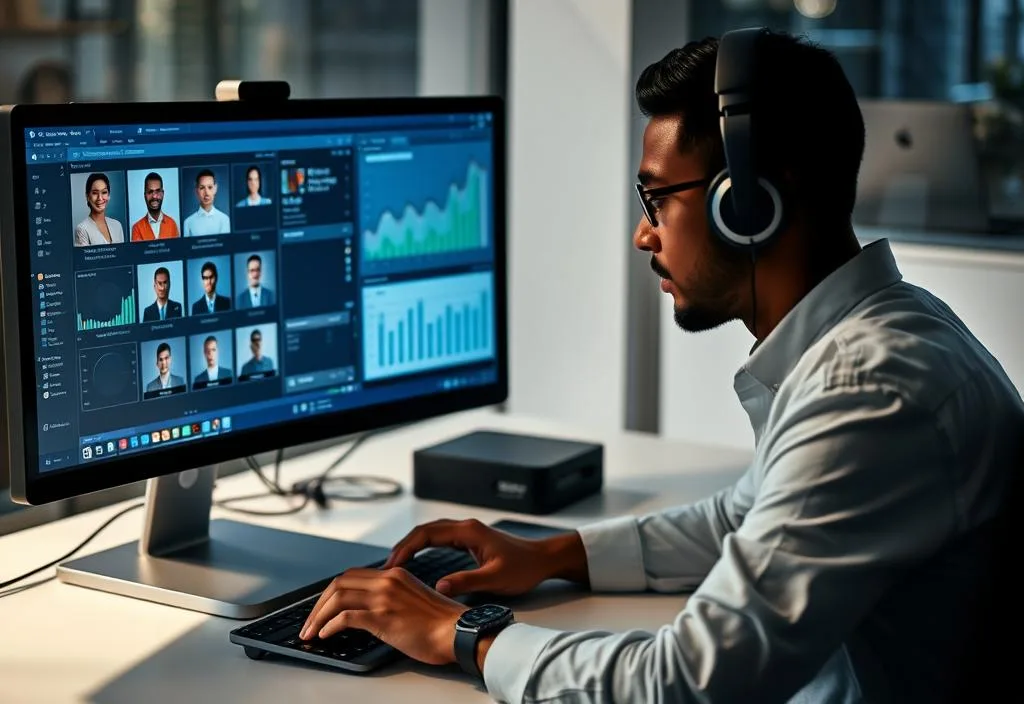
62	643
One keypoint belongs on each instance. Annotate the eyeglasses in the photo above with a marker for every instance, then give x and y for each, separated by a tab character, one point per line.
649	196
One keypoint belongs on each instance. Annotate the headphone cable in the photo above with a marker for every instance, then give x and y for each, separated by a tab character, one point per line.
753	293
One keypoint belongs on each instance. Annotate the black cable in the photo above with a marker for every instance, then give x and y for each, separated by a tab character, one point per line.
309	490
753	291
81	545
25	587
358	488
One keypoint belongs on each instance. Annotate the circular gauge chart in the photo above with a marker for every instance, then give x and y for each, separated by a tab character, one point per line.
110	376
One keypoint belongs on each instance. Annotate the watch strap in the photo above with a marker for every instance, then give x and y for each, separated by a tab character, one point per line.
465	651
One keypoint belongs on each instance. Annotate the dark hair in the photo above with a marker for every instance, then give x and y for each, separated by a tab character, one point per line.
253	258
162	270
208	340
93	178
153	176
258	173
205	172
254	333
807	120
208	266
163	346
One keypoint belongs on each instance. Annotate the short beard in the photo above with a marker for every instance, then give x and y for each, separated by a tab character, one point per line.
714	291
697	319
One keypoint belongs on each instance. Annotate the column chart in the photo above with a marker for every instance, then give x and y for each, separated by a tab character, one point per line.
427	324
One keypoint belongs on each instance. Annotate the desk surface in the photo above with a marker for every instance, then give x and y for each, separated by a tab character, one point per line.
63	643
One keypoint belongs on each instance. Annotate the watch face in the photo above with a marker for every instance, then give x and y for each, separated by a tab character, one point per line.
481	615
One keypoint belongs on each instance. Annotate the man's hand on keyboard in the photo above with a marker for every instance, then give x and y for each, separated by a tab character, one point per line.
394	607
508	565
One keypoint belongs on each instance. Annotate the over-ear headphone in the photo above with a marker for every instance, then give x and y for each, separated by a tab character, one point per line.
745	208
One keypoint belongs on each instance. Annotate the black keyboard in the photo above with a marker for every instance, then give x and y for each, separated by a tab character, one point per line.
351	649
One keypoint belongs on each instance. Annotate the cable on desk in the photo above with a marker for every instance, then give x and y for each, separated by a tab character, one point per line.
11	591
78	547
317	488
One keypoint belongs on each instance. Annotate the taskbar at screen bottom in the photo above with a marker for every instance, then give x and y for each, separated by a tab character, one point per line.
156	436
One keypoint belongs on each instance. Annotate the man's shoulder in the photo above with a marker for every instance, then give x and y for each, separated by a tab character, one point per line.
903	340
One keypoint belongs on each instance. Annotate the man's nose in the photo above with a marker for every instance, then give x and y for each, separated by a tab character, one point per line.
645	238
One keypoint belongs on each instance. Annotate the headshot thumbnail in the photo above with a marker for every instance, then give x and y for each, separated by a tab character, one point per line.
209	285
163	367
153	204
161	285
209	203
257	350
98	208
254	279
249	179
211	360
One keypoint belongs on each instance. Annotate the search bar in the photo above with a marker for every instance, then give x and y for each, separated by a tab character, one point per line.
383	157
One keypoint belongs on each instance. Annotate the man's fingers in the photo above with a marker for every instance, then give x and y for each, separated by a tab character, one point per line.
468	581
434	534
340	601
351	580
353	618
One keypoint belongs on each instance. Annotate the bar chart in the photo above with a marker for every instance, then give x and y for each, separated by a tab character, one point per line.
105	298
428	324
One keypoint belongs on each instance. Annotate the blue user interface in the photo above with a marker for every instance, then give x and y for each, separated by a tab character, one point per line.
192	280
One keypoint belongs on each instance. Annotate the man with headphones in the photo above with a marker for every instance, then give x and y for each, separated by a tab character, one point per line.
849	562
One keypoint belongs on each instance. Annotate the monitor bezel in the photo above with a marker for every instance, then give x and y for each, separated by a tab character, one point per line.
20	421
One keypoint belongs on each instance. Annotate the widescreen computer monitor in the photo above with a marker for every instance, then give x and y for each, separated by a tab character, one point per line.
188	283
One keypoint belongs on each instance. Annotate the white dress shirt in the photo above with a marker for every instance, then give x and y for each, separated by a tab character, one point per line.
155	223
831	571
207	222
87	233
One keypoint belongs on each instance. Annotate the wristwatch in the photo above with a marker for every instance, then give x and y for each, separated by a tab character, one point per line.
475	622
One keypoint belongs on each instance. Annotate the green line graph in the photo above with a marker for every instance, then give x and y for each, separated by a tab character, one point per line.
458	225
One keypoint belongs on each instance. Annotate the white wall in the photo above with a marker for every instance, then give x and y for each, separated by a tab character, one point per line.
569	89
454	43
698	404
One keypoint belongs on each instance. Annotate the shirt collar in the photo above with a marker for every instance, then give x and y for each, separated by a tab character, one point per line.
871	270
213	211
156	220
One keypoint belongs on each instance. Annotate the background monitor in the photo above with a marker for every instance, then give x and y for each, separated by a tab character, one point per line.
384	243
921	167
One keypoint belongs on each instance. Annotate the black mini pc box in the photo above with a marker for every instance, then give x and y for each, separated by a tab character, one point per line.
508	471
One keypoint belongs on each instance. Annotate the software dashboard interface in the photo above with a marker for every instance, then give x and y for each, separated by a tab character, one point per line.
192	280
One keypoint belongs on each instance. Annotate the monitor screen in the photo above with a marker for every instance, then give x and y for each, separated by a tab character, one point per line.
202	279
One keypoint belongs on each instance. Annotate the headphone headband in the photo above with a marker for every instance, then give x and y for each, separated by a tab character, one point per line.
734	76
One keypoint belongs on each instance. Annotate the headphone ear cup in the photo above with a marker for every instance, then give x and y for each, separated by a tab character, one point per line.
712	203
767	220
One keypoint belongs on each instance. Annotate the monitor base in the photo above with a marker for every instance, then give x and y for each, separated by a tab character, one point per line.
221	567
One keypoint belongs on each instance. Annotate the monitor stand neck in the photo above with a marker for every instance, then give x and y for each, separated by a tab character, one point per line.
218	567
177	511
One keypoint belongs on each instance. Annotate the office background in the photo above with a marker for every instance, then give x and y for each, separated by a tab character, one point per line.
601	349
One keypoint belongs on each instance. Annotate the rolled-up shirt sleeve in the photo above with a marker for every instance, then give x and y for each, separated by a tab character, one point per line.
853	489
